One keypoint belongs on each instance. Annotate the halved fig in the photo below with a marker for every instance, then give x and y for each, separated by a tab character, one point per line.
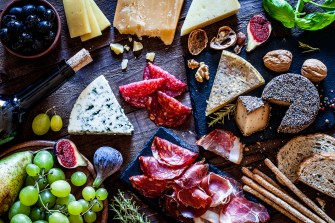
197	41
226	38
68	155
259	30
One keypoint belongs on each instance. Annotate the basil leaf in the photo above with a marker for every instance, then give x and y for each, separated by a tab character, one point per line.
315	21
328	5
280	10
301	5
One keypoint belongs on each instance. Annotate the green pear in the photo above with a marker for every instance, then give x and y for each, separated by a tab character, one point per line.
12	176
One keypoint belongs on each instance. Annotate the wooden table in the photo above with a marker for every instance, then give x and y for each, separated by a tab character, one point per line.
17	73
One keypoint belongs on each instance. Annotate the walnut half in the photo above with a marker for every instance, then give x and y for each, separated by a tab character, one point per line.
202	73
314	70
278	60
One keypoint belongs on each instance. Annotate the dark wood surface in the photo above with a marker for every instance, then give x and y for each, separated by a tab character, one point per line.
17	73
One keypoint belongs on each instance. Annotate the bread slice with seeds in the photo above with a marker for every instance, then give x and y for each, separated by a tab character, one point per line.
318	171
292	154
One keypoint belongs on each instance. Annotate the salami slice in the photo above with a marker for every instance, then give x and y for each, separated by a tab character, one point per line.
150	166
172	105
192	176
170	154
147	186
137	93
173	86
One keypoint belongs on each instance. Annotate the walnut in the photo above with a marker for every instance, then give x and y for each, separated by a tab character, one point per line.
202	72
193	64
240	42
225	38
314	70
278	60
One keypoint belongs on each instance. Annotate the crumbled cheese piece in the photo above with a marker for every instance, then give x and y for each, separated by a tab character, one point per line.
124	64
140	37
137	46
126	47
117	48
130	39
150	56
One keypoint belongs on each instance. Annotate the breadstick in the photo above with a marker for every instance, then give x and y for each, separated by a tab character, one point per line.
271	203
275	199
298	192
268	179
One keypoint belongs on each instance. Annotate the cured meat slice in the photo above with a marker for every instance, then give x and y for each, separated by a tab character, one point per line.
172	105
194	197
147	186
218	187
241	210
223	143
137	93
150	166
173	86
170	154
192	176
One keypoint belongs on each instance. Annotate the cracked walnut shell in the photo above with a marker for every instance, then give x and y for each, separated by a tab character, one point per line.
278	60
314	70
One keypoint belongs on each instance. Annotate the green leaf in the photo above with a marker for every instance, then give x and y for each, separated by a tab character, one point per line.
328	5
315	21
280	10
300	6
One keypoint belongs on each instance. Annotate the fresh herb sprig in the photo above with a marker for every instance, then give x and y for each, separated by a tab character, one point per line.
219	116
307	48
126	210
282	11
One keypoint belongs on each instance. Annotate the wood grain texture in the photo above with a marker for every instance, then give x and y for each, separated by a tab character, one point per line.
17	73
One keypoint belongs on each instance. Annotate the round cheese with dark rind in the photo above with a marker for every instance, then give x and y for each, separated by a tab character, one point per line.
302	97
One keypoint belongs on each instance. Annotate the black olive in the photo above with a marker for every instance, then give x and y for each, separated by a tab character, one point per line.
49	15
6	19
15	27
37	46
40	11
17	46
28	10
50	36
4	35
44	27
27	50
31	22
17	11
26	38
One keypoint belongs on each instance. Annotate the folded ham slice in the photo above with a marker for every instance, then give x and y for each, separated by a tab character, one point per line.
192	176
223	143
147	186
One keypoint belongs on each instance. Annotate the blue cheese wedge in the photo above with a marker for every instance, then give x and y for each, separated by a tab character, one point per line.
97	111
235	76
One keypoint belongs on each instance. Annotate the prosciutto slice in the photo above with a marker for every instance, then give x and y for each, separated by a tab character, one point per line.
170	154
192	176
241	210
223	143
194	197
147	186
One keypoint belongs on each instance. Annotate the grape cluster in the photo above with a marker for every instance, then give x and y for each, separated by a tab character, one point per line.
46	196
28	30
42	123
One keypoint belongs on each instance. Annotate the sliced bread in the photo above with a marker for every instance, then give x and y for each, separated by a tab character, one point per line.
318	171
292	154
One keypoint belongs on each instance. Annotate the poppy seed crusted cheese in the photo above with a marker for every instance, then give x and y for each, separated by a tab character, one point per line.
302	97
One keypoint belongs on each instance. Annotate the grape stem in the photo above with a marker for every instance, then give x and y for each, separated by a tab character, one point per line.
88	209
53	107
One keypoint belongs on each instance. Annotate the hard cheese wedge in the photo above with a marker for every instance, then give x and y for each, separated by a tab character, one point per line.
97	111
234	77
95	29
154	18
76	17
103	22
205	12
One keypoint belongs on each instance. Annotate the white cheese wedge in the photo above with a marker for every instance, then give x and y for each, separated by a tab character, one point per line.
205	12
97	111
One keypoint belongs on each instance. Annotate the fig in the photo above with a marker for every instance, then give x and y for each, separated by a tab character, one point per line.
259	30
68	155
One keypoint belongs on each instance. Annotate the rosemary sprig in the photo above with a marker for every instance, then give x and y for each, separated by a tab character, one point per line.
219	116
307	48
126	210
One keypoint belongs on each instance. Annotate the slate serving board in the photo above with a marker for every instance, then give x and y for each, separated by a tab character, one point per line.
134	169
200	91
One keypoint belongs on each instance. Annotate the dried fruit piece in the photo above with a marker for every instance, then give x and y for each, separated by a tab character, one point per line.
226	38
202	73
197	41
192	64
68	155
259	30
240	42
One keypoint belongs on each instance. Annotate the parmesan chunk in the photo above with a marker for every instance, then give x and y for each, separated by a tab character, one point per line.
124	64
150	56
137	46
117	48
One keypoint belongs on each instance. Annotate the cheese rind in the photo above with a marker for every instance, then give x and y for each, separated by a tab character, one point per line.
103	22
97	111
95	29
203	13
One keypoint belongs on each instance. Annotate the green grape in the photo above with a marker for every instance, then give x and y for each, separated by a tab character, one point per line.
55	174
56	123
75	208
18	208
97	205
42	182
41	124
64	201
47	198
76	219
60	188
32	170
1	221
88	193
101	194
30	181
20	218
44	160
78	178
90	216
84	204
28	195
40	221
37	214
57	217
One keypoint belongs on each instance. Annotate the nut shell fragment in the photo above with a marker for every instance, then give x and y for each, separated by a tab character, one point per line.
226	38
278	60
240	42
314	70
197	41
